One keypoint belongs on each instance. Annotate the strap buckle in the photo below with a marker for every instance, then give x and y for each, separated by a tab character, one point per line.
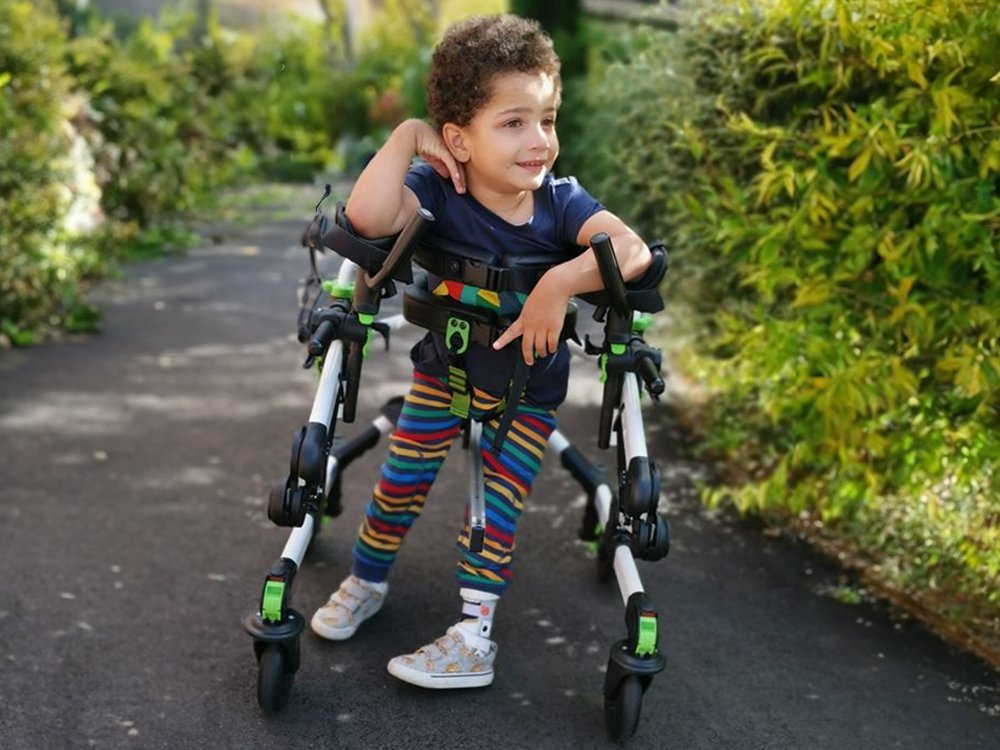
479	274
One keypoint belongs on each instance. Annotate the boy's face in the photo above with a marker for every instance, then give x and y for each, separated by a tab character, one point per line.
510	144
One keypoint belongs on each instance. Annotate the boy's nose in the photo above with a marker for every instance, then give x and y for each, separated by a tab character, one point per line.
539	138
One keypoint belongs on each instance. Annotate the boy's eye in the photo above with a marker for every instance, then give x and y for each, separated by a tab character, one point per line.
515	123
549	122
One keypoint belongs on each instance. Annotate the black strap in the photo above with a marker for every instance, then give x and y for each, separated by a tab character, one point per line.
518	385
368	254
478	273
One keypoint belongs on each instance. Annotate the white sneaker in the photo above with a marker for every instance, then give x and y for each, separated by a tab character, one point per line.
354	602
458	659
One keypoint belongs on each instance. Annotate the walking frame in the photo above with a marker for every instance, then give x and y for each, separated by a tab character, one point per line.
622	519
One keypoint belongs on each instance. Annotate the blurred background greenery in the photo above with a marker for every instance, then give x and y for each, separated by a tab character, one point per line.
825	172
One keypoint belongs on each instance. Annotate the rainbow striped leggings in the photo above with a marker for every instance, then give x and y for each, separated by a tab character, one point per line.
417	448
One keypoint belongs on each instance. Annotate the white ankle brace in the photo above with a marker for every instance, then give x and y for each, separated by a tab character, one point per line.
478	607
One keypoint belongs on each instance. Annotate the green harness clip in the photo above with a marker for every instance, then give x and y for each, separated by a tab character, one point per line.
456	338
647	635
270	608
460	328
461	400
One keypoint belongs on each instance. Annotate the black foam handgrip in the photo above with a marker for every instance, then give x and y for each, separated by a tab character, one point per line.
321	339
607	263
352	372
650	375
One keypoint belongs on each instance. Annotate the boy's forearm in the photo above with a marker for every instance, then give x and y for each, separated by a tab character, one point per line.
581	274
377	197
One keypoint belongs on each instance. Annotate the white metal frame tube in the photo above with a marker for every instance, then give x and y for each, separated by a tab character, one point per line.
631	418
477	483
298	541
329	380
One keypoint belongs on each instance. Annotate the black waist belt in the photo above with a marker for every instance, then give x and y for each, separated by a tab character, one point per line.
479	273
433	312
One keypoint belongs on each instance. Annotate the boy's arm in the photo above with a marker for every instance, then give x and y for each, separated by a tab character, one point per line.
380	203
581	275
541	319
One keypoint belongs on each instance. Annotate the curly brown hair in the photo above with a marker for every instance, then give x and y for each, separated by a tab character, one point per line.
473	53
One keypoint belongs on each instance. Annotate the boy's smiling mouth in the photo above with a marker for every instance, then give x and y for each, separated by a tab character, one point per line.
533	165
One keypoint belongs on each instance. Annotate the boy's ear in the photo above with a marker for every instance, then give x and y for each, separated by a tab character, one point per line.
454	139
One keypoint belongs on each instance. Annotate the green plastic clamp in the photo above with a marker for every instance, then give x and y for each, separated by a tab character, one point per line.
647	635
593	546
270	606
366	319
641	322
337	290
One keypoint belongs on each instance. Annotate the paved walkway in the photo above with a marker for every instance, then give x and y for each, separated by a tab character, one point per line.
134	468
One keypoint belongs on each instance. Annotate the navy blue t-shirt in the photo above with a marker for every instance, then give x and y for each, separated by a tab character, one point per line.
562	207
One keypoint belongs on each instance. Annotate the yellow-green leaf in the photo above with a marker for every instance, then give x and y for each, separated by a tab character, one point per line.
812	292
860	164
916	73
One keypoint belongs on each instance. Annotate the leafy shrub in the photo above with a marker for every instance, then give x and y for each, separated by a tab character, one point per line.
829	174
158	148
171	111
38	269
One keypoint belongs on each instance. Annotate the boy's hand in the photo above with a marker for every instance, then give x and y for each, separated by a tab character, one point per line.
540	322
428	145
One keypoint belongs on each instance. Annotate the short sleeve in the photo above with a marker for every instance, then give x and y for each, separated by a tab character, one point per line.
427	185
573	206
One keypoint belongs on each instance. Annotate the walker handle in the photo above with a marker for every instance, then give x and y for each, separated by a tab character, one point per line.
607	263
650	375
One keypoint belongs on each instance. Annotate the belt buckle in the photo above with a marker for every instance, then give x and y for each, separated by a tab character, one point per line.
475	273
496	279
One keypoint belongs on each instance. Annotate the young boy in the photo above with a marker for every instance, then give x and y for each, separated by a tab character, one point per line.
493	94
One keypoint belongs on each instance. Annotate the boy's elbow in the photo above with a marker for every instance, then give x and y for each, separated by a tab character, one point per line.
645	259
639	257
372	221
362	222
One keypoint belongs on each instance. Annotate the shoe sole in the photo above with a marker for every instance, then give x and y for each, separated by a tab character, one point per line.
439	681
333	633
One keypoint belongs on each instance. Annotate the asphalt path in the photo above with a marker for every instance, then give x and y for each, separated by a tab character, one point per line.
134	470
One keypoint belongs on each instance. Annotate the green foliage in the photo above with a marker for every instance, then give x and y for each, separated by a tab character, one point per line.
172	110
38	268
167	118
561	18
828	173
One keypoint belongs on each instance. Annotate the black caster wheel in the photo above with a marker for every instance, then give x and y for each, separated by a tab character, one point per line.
274	680
621	710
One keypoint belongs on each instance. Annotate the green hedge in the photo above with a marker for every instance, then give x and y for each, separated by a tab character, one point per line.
38	268
828	172
169	114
